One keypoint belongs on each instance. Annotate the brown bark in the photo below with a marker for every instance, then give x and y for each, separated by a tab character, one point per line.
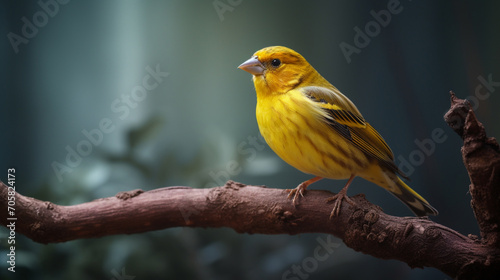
481	157
255	209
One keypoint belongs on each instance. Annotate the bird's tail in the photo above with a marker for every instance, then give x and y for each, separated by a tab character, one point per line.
412	199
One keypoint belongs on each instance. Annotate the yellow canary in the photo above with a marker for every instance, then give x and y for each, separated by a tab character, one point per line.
312	126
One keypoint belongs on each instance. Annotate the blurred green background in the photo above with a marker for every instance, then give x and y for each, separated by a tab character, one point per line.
67	67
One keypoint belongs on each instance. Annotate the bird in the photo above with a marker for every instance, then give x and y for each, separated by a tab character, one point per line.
315	128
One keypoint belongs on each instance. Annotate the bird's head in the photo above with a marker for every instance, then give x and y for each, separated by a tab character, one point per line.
276	70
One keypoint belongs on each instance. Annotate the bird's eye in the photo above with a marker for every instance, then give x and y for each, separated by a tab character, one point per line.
275	62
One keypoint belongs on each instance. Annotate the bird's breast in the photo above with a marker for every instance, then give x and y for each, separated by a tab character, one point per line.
295	132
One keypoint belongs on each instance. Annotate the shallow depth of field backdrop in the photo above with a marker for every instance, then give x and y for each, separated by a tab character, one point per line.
99	97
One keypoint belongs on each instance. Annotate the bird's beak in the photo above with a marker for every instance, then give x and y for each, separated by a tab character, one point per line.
253	66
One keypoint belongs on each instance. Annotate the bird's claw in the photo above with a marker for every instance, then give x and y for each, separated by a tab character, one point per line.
338	202
294	193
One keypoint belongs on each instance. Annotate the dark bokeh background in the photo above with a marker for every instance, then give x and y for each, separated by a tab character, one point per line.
75	69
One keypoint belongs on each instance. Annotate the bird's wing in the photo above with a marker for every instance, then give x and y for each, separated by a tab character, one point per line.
343	117
344	111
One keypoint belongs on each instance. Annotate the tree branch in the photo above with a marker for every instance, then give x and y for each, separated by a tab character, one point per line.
255	209
251	209
481	157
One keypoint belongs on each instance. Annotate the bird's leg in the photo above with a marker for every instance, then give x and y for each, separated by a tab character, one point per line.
301	189
342	195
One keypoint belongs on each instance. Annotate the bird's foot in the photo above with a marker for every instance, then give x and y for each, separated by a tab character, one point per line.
301	189
342	195
298	191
